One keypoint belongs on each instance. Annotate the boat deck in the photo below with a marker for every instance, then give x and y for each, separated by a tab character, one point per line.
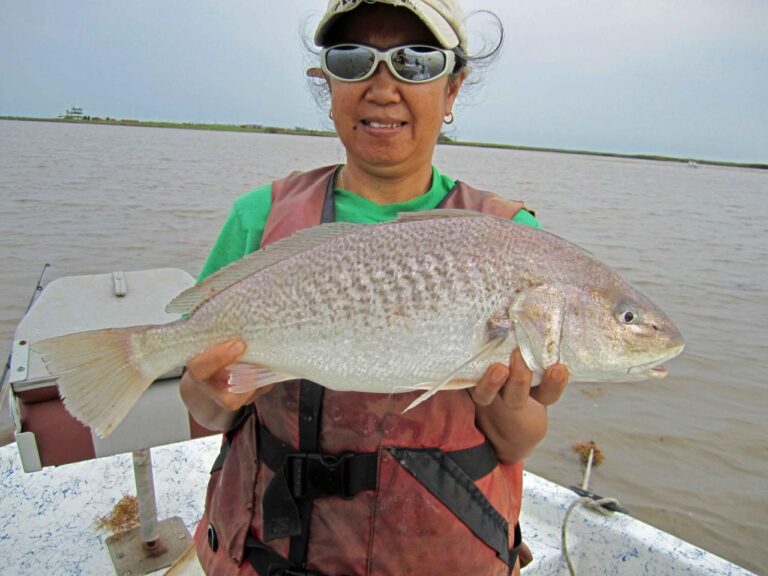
47	519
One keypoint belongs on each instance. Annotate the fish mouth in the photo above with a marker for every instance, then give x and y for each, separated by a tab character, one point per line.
656	368
653	370
658	372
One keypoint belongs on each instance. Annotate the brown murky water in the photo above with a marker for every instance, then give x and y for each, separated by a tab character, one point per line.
688	454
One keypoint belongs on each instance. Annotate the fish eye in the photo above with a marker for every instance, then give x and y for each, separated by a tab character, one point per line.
629	317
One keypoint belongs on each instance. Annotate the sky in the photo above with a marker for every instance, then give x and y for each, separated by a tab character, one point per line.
684	78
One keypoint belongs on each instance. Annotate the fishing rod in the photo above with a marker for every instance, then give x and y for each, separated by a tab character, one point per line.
4	385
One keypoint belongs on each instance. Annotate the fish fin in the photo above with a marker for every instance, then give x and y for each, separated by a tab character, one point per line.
303	240
405	217
453	384
488	348
539	316
98	375
247	377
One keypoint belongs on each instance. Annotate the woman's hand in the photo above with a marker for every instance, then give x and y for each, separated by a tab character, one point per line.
204	387
512	414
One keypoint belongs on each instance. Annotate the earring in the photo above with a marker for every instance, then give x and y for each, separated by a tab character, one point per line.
448	119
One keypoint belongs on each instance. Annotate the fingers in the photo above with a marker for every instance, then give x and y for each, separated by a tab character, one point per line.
490	384
517	389
552	385
203	366
512	384
207	374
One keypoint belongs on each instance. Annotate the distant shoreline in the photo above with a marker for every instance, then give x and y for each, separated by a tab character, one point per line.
298	131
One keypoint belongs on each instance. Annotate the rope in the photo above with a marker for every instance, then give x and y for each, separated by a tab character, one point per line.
596	505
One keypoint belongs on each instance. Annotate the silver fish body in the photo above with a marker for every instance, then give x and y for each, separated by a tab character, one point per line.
424	303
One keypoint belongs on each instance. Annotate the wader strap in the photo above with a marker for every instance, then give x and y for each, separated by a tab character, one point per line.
329	204
445	480
310	412
267	562
445	199
283	515
227	440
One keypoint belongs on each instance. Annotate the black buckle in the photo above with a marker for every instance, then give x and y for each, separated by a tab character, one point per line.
313	475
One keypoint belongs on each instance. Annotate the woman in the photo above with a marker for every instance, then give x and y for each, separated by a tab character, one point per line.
312	481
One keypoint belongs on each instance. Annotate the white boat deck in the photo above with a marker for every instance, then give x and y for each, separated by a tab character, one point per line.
47	519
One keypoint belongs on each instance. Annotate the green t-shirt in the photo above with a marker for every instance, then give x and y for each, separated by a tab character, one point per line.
244	227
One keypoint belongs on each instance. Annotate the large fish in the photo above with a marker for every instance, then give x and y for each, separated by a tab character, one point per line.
424	303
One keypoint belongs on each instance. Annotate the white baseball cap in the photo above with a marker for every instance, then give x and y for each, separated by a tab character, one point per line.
444	18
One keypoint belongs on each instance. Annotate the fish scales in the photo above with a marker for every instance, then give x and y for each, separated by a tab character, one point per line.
342	312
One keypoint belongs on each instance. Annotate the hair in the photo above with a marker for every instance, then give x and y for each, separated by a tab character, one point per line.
477	62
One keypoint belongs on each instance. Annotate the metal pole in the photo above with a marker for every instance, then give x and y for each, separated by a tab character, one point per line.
154	544
145	491
588	470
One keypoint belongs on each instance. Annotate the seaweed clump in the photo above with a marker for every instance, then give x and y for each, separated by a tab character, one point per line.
583	449
124	516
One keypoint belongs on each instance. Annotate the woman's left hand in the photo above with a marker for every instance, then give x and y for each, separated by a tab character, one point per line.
511	413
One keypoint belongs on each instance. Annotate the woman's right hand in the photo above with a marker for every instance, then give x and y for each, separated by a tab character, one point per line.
204	387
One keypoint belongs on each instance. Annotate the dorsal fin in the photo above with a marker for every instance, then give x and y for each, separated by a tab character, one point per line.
439	213
301	241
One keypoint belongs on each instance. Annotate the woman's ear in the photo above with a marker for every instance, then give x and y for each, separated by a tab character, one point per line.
315	72
452	89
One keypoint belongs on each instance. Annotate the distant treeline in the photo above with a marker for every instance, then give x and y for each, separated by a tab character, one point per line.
443	139
184	125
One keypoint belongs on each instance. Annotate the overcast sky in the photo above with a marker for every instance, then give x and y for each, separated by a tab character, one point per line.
683	78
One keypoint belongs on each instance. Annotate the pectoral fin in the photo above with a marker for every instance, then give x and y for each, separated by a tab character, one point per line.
496	336
245	377
539	317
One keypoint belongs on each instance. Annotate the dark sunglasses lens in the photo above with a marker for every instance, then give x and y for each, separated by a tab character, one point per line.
349	62
418	63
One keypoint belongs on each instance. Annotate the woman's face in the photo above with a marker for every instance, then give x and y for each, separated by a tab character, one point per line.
388	127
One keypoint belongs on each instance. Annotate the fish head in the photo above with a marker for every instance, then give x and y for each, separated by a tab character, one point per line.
603	331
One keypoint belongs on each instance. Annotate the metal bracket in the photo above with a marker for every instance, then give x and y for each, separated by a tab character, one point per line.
19	360
132	557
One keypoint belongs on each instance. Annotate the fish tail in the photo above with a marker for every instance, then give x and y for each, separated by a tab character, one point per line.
99	374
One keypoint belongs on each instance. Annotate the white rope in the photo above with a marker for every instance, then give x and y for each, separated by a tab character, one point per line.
593	504
596	505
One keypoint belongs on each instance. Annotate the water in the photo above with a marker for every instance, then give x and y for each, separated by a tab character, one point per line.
688	454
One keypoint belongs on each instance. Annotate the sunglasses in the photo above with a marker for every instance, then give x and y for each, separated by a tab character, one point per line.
412	63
